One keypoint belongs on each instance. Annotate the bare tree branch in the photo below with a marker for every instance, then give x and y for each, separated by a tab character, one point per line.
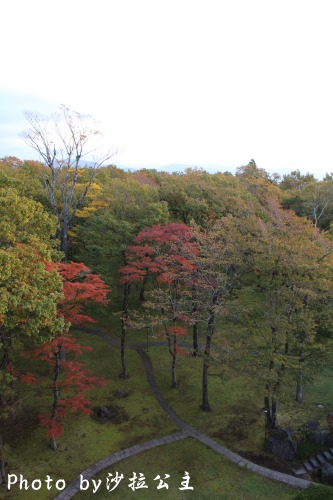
61	142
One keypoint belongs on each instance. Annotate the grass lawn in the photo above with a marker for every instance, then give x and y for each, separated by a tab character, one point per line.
212	476
84	440
237	418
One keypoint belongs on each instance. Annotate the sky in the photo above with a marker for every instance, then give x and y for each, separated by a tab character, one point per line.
205	83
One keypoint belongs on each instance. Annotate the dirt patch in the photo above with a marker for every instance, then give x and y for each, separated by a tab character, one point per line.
236	430
111	413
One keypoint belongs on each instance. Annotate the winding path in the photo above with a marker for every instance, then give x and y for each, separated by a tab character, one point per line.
186	431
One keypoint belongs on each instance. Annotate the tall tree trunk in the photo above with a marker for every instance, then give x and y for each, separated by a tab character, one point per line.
62	355
2	464
299	386
4	363
142	289
173	352
268	421
6	346
57	236
274	413
65	237
196	323
205	403
271	400
195	339
53	442
210	331
124	319
174	360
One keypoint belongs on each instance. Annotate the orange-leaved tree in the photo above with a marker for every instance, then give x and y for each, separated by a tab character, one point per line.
163	253
72	382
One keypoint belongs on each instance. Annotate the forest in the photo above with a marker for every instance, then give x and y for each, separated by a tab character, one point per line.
221	282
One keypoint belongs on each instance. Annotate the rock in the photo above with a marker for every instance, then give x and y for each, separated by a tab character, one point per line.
311	425
327	474
104	413
329	439
317	437
121	393
281	444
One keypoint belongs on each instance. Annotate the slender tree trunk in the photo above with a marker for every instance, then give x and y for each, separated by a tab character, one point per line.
195	339
142	289
268	413
271	400
2	464
210	331
5	360
3	366
173	352
53	442
205	403
62	355
196	323
124	319
274	413
174	360
299	386
65	237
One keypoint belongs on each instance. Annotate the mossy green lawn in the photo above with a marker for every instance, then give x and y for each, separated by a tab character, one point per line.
211	476
84	440
237	418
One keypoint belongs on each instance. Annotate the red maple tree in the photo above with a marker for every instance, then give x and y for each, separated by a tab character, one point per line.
165	254
70	378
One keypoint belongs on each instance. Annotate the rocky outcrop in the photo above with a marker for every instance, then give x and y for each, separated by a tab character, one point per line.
282	444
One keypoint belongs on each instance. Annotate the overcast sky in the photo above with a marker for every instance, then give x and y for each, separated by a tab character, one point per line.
206	83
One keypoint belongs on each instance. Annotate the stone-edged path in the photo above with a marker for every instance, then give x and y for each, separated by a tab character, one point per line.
185	432
102	464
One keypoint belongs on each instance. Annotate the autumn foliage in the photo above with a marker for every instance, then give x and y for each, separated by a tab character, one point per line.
70	378
165	254
162	251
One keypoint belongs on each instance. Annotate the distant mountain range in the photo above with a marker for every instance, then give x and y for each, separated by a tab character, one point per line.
173	167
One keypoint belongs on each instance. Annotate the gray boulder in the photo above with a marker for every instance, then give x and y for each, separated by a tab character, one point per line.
281	444
121	393
329	439
327	474
104	413
318	437
311	425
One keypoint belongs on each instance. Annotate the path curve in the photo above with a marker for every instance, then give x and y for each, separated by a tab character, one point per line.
186	431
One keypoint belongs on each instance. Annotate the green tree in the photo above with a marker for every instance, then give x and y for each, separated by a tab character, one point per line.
223	247
289	279
25	176
295	180
199	196
29	290
103	238
313	200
